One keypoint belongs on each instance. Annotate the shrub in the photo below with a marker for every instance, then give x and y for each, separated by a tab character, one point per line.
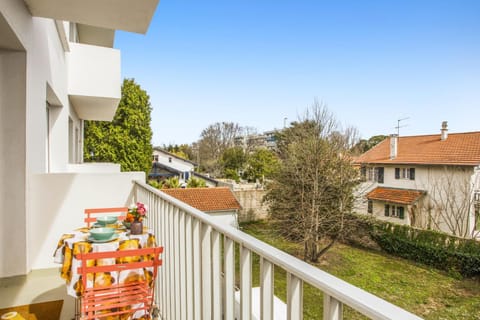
436	249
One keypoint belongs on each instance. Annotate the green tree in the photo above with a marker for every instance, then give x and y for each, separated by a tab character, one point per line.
363	145
312	192
261	164
196	183
233	160
214	140
127	139
170	183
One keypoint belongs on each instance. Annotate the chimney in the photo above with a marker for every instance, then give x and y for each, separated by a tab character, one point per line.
393	146
444	131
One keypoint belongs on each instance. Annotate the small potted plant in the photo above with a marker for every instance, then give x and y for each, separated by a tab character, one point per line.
136	214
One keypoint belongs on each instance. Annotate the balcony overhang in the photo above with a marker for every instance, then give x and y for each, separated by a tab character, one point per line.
95	36
127	15
94	84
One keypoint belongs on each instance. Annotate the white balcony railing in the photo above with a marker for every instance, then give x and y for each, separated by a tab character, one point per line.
192	284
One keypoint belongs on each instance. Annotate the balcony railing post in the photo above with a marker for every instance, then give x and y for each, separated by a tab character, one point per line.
245	283
189	264
216	277
197	268
294	297
332	308
229	267
207	295
266	288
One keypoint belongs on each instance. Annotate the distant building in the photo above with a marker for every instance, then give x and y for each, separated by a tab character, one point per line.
428	181
249	142
166	165
220	203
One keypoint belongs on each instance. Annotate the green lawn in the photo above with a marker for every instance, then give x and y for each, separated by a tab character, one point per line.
426	292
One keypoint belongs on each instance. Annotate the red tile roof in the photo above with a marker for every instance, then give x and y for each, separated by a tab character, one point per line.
457	149
206	199
401	196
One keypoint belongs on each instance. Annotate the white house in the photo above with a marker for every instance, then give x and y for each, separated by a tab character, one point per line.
428	181
166	164
219	203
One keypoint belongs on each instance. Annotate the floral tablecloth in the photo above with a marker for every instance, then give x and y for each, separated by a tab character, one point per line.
73	243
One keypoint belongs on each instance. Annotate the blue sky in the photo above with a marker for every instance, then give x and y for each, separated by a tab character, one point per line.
257	62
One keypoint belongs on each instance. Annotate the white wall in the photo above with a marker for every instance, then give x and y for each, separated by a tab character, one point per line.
58	201
178	164
12	164
228	218
426	177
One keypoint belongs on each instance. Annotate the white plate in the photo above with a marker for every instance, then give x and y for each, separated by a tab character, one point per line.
113	237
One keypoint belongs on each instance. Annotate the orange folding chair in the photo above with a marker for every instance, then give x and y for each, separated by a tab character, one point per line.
129	290
92	214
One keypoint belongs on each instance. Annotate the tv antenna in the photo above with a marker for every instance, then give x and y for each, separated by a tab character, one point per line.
399	126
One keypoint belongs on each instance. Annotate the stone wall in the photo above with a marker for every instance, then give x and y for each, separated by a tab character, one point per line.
251	202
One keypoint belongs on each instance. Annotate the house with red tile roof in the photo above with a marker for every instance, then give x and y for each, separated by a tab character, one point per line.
427	181
220	202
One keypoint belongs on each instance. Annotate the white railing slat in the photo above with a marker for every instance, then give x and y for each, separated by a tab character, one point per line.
266	289
216	277
294	297
229	267
245	283
207	295
197	269
332	308
189	266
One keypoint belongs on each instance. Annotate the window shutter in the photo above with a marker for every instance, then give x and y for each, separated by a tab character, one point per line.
397	173
370	206
387	210
380	174
412	173
401	213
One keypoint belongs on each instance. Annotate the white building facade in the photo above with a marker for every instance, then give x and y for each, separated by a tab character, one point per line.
430	181
58	68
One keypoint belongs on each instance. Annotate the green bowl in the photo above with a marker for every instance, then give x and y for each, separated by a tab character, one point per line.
102	233
104	220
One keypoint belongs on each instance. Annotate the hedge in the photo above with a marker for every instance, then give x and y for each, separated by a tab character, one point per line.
432	248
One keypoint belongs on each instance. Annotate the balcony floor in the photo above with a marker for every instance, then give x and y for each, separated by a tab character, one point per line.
38	286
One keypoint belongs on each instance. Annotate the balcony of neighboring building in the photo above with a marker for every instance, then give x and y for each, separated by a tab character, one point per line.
94	84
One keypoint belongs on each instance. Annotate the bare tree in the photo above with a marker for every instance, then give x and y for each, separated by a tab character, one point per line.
450	203
214	140
312	192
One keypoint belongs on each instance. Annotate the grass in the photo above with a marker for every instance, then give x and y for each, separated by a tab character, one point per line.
424	291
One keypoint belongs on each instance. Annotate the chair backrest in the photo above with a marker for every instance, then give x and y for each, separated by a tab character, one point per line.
92	214
118	297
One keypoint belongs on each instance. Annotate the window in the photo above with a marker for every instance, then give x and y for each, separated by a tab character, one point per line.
155	158
375	174
370	206
405	173
476	196
394	211
170	159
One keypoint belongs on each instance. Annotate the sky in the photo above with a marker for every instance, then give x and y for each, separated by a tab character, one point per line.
257	62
